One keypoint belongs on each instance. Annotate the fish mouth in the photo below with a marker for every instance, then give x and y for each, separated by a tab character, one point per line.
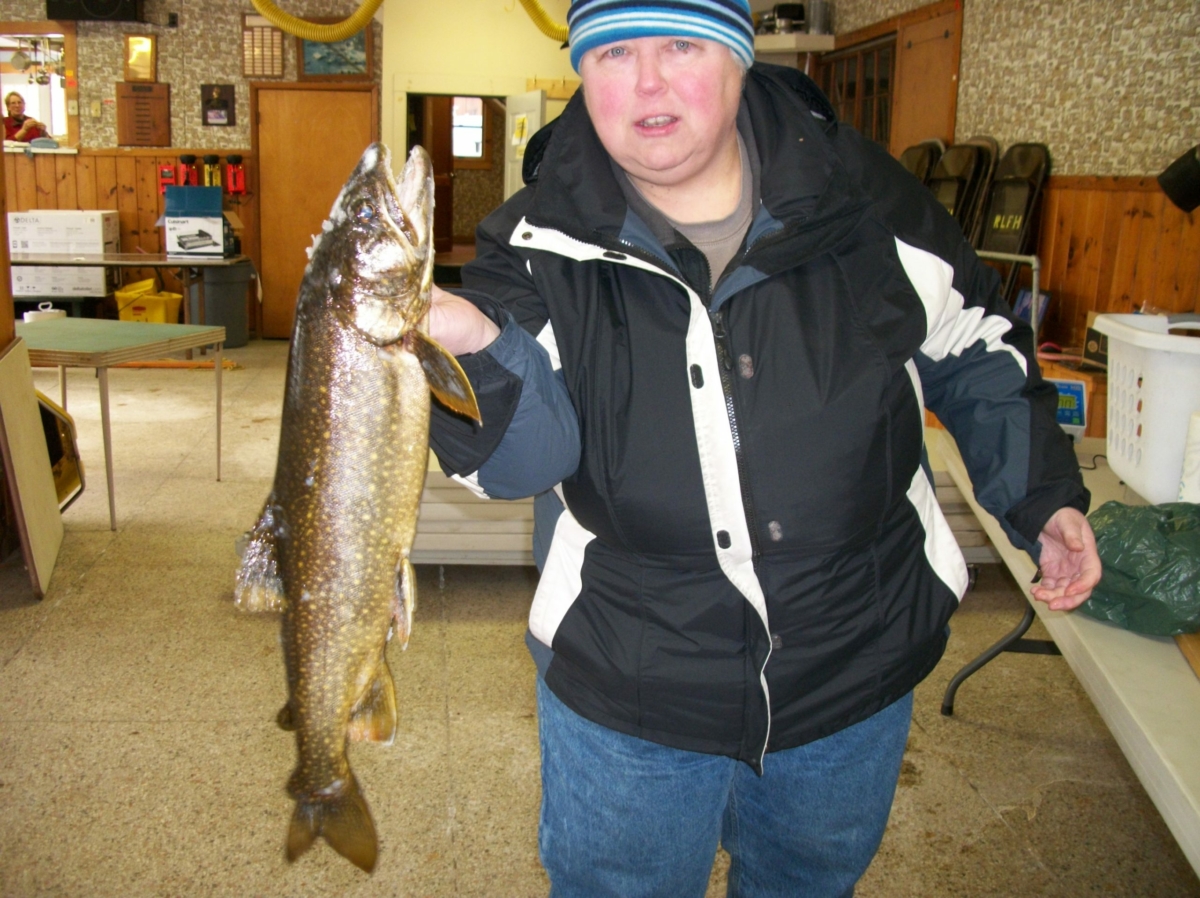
409	202
401	260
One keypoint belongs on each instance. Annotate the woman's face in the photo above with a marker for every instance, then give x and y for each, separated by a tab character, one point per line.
665	108
16	105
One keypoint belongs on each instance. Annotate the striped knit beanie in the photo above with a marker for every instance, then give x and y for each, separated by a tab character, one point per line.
594	23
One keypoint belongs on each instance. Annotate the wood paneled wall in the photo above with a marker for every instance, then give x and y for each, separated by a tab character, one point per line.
1112	245
121	179
1106	244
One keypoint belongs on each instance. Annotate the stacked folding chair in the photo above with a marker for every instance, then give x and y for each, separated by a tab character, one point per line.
989	157
1009	225
961	180
921	159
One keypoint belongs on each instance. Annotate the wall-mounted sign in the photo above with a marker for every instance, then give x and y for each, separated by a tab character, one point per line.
262	48
143	115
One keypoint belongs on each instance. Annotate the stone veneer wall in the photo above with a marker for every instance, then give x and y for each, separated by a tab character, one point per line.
1109	87
206	48
477	192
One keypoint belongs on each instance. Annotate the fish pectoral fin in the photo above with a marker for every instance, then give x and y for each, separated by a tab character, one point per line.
375	718
257	586
447	381
345	823
405	605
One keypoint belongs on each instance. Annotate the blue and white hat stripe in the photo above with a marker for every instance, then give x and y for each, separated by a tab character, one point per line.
594	23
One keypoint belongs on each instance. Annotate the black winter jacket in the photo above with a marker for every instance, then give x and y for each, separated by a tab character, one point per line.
750	556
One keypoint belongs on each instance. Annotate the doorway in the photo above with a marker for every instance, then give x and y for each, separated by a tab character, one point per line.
308	138
464	136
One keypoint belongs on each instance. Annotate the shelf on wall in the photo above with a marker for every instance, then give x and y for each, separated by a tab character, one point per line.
795	42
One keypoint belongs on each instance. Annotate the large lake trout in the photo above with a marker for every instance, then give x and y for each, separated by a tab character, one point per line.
331	547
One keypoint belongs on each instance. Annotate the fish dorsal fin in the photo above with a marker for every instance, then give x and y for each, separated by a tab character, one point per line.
446	378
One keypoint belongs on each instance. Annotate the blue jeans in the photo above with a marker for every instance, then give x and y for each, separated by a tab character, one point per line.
627	818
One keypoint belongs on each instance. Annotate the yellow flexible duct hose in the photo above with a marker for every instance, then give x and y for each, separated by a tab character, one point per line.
311	31
541	18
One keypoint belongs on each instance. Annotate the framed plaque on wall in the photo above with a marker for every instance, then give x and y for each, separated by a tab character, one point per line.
143	114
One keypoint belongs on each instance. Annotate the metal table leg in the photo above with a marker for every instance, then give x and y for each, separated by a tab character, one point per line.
1012	642
106	429
217	361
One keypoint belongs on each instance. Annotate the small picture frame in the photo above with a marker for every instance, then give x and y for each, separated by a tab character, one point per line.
141	57
349	60
217	105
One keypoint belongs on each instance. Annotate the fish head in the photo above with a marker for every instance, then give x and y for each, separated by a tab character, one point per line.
375	252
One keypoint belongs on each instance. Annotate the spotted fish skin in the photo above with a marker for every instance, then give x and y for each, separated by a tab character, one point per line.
330	549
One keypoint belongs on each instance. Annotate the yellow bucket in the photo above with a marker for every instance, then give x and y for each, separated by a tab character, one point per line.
154	308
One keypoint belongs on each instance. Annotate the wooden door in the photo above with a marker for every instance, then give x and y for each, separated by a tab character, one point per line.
926	88
7	322
437	139
308	139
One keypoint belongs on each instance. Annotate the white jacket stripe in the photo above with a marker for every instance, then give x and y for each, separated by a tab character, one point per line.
951	328
562	578
941	548
471	482
549	342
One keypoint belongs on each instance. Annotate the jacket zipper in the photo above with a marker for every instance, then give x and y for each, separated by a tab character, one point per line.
725	362
726	365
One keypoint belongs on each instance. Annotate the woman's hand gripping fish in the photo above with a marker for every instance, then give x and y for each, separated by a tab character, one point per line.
331	547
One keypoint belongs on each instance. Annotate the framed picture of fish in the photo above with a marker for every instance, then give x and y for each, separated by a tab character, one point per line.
350	60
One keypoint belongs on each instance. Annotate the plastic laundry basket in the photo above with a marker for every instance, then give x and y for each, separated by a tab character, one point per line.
1153	389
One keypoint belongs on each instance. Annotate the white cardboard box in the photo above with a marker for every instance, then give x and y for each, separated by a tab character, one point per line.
32	280
63	230
38	280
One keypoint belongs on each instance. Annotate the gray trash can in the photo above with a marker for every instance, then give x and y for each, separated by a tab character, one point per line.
225	301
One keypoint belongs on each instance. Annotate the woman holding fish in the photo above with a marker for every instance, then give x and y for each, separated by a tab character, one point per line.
704	336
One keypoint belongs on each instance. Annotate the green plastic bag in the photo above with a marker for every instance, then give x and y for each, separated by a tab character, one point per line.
1151	556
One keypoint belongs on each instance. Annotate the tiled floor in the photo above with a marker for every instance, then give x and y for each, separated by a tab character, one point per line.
139	754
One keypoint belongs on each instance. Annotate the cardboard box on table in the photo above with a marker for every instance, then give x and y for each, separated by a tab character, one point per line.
67	231
196	225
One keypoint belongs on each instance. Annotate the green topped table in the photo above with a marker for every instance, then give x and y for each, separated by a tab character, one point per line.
93	343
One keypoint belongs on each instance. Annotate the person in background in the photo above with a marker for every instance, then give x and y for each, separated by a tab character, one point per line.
17	125
704	336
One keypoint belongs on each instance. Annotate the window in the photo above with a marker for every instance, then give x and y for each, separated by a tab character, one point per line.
470	132
858	82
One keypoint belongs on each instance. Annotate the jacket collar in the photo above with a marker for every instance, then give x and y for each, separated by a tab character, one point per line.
804	189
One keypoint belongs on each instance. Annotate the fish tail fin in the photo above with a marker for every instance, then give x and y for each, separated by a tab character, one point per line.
375	717
345	823
257	586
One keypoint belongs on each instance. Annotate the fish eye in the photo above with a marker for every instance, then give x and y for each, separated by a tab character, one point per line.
365	212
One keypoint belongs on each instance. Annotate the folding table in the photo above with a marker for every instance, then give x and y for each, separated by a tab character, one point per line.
94	343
